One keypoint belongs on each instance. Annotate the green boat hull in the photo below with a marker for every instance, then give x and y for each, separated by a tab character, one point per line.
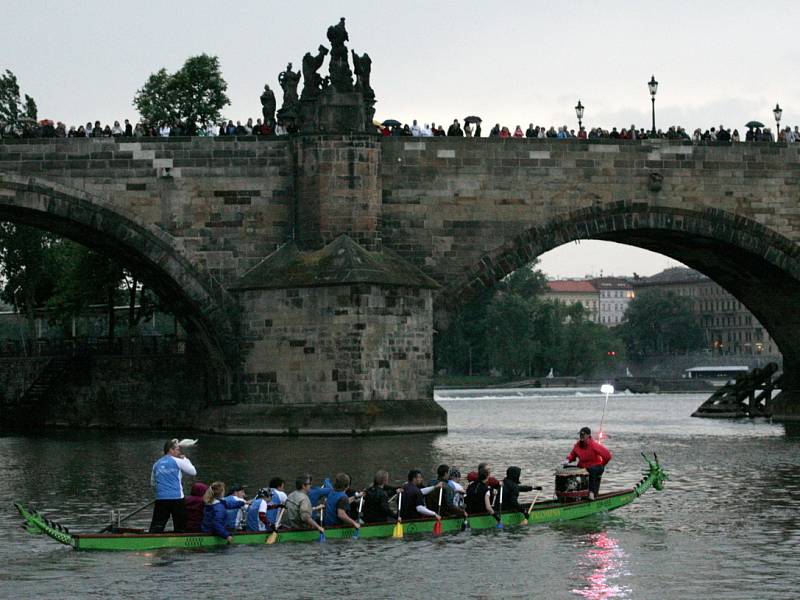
543	512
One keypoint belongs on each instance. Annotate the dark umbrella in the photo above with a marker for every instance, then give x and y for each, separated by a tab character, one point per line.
754	124
473	120
391	123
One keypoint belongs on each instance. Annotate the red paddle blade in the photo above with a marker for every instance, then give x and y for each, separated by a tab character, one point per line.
437	528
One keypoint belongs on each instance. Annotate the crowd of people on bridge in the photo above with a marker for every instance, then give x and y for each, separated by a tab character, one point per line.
675	132
223	512
471	128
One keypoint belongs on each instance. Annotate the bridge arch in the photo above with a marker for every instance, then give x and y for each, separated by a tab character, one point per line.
757	265
206	309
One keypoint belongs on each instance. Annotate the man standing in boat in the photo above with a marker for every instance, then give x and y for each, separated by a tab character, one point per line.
591	456
166	479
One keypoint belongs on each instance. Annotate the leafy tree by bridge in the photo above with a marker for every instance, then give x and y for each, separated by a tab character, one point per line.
660	322
194	94
512	329
14	112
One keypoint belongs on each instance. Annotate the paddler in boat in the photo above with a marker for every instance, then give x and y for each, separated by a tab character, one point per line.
413	497
166	479
592	456
235	515
338	503
479	495
511	491
448	507
492	481
298	506
376	499
215	511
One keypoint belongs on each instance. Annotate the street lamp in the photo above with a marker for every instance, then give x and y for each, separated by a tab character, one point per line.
653	85
778	112
579	113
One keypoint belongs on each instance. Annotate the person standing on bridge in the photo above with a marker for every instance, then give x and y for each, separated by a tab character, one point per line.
166	479
591	456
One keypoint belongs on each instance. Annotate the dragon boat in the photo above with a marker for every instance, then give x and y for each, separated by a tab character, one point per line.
566	506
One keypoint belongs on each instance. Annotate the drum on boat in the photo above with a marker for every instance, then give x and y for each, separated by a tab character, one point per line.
572	484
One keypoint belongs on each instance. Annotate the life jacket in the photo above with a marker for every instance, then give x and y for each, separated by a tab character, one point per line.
331	518
276	499
253	522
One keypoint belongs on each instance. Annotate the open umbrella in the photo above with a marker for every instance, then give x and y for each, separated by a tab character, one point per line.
754	124
391	123
472	119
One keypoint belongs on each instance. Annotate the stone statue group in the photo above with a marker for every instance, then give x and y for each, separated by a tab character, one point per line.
304	112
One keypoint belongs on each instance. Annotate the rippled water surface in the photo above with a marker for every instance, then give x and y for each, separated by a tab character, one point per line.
727	524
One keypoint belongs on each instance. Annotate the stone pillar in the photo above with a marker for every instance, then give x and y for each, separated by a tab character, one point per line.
336	340
338	189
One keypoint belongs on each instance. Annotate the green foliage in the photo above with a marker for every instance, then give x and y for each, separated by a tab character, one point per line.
660	322
195	93
511	329
13	111
85	278
31	111
28	266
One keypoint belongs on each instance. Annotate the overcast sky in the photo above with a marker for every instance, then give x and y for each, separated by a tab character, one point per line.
512	62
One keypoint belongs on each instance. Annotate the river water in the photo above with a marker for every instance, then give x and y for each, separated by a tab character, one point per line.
727	524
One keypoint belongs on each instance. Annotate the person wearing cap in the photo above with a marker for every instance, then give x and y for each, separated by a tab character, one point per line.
166	478
298	506
592	456
234	517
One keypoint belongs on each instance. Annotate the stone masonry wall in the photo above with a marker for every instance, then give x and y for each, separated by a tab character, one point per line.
338	189
317	356
447	202
226	200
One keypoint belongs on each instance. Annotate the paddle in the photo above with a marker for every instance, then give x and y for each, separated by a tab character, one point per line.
359	520
530	508
273	537
437	527
322	522
500	509
136	512
397	532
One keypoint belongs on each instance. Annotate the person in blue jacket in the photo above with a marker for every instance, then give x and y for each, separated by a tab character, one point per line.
215	511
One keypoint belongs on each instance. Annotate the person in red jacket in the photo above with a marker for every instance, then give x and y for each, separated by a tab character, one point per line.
194	507
591	456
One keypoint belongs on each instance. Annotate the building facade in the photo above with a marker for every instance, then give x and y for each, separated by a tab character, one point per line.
615	294
729	328
572	291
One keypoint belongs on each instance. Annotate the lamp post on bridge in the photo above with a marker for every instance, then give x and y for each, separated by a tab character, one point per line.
778	113
653	85
579	113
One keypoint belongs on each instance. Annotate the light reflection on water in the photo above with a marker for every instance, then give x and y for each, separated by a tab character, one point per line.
730	508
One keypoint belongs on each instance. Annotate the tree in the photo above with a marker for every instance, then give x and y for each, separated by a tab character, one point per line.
85	278
659	322
28	264
194	94
13	111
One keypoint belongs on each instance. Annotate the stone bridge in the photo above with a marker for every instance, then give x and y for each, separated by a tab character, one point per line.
311	269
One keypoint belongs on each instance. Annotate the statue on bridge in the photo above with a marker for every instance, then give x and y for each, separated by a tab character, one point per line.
288	113
313	84
340	74
268	106
362	65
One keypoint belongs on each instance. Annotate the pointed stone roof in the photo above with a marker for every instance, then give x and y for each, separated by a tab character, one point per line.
342	262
